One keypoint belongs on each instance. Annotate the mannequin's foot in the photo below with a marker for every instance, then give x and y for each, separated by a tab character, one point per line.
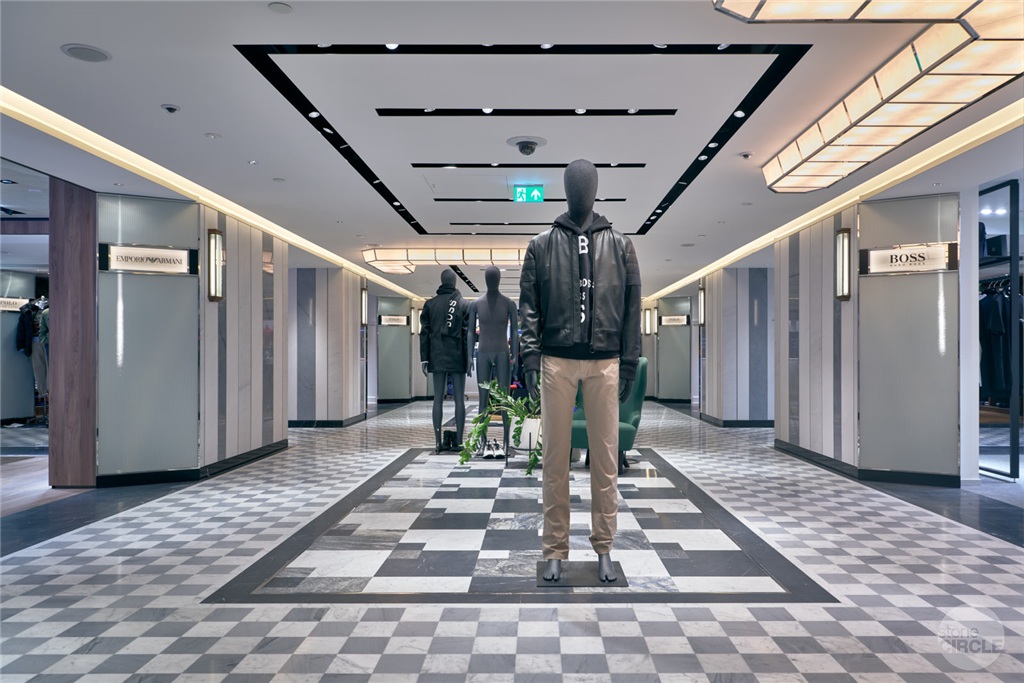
605	570
553	570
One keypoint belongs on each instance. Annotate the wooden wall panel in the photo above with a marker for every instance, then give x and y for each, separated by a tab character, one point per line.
15	226
73	269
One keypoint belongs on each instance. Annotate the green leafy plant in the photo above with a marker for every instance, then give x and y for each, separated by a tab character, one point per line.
519	410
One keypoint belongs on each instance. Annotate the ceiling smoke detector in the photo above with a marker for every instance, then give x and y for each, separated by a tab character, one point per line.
85	53
526	144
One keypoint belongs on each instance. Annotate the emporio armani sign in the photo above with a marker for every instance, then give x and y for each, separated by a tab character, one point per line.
148	259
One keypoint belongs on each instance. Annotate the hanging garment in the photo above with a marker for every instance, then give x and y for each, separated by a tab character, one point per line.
26	329
44	326
40	368
990	323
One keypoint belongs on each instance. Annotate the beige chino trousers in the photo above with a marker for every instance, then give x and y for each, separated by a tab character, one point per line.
559	380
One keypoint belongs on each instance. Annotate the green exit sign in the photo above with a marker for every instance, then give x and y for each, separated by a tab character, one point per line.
529	193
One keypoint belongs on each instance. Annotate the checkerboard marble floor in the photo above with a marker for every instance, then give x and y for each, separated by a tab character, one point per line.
122	599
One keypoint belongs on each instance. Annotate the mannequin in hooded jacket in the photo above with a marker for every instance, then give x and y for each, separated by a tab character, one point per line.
443	329
580	180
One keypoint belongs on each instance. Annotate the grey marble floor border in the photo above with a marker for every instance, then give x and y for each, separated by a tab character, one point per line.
799	587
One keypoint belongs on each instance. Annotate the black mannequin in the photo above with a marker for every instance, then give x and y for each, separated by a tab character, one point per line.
443	325
499	323
580	180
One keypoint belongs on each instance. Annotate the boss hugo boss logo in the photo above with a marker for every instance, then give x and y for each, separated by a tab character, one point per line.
584	244
919	257
914	258
451	311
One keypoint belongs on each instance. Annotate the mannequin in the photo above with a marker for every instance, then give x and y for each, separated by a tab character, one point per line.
499	325
580	311
443	325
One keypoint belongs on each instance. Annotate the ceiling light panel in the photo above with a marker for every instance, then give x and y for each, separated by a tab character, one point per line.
404	261
945	68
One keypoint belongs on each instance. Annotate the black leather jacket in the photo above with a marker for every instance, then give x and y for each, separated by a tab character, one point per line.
444	324
549	297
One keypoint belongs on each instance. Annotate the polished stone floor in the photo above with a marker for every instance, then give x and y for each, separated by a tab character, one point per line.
130	597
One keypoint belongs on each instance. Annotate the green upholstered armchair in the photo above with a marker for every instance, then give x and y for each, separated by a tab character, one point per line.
629	417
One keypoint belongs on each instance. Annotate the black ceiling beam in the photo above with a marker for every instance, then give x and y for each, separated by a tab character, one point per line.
523	165
547	113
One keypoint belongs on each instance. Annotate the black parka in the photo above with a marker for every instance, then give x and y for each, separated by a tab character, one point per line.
444	324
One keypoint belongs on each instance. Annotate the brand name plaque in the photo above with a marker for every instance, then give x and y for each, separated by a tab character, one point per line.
916	258
149	259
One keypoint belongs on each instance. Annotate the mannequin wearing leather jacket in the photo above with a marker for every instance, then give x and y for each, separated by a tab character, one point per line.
579	308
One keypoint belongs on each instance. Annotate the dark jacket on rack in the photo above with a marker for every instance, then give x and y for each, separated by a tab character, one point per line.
26	329
550	298
443	328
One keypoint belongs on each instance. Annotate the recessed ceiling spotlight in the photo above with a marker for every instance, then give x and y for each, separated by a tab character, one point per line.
211	136
118	184
739	114
5	181
85	53
581	111
614	164
985	212
660	46
724	46
487	110
278	180
702	157
313	114
712	145
472	233
504	270
253	162
328	131
936	184
376	181
428	110
701	235
494	163
449	167
488	45
546	46
657	211
632	111
345	146
280	8
1000	212
323	45
391	46
396	203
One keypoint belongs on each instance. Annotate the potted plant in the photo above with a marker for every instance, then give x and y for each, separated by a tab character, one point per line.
524	414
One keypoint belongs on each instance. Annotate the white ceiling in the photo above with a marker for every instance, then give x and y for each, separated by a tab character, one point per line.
25	252
29	194
183	53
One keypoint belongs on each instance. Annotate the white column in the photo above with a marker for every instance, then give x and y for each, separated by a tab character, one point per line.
970	346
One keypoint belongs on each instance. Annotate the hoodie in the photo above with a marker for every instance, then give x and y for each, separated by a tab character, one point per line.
583	238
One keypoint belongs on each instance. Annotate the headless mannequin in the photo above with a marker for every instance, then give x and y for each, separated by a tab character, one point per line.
441	388
497	315
580	180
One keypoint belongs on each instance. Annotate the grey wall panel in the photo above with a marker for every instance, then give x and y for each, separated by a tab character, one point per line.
672	346
758	357
782	344
814	338
124	219
321	325
279	360
209	344
292	344
793	350
742	336
305	343
393	347
804	346
256	296
231	337
240	288
267	432
849	312
913	220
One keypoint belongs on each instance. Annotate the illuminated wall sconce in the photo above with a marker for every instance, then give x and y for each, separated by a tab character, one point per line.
647	321
654	320
843	264
364	304
700	307
414	324
216	259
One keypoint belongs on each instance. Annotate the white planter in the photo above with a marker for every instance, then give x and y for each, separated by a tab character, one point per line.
530	435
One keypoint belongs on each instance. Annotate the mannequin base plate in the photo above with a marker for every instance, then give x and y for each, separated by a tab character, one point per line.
580	575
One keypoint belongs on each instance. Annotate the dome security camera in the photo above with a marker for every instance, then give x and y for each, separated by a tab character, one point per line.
746	155
170	108
526	147
526	144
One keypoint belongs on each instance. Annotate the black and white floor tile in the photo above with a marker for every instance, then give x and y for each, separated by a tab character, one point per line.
122	600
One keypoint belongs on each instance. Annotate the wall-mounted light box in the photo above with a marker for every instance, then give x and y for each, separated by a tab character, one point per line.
216	258
842	255
700	307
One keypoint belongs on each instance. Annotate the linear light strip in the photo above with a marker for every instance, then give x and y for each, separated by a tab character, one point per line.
405	260
992	126
50	122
